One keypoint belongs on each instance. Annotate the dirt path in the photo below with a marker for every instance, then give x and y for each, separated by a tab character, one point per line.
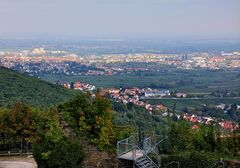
17	162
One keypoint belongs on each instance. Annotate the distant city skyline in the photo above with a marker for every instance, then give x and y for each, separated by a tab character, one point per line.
120	19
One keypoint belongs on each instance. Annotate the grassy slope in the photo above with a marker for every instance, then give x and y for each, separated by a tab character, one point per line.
21	87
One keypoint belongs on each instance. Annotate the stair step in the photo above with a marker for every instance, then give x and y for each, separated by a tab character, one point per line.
145	166
143	161
142	158
146	163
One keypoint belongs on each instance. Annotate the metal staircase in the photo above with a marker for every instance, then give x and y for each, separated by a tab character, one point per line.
145	162
139	151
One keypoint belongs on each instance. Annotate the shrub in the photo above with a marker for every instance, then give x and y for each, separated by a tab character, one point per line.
63	154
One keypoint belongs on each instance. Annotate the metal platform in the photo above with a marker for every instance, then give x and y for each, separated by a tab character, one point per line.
131	155
137	147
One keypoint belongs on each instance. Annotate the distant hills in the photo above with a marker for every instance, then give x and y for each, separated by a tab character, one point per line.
16	87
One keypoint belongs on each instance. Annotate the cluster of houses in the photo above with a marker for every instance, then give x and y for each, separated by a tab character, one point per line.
154	92
145	92
225	124
79	86
132	95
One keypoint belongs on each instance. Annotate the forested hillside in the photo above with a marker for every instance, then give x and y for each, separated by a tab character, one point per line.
21	87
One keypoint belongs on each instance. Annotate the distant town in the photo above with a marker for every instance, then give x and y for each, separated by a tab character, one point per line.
40	61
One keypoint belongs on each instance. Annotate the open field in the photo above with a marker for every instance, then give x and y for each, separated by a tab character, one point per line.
193	103
195	81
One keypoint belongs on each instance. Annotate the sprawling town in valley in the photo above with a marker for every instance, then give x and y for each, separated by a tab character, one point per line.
39	60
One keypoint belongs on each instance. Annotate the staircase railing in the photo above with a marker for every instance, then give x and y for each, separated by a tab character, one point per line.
147	157
218	163
125	145
172	163
157	143
149	145
158	157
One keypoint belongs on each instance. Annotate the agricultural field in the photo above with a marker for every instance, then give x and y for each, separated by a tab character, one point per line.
191	81
181	104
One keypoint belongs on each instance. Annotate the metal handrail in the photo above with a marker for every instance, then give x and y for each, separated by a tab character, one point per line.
216	163
125	142
159	161
145	155
172	163
159	143
149	148
126	138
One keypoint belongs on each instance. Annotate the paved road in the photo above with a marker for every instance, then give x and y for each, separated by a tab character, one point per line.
190	98
16	164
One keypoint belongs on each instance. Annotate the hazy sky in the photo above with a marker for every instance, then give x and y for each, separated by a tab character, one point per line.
119	18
